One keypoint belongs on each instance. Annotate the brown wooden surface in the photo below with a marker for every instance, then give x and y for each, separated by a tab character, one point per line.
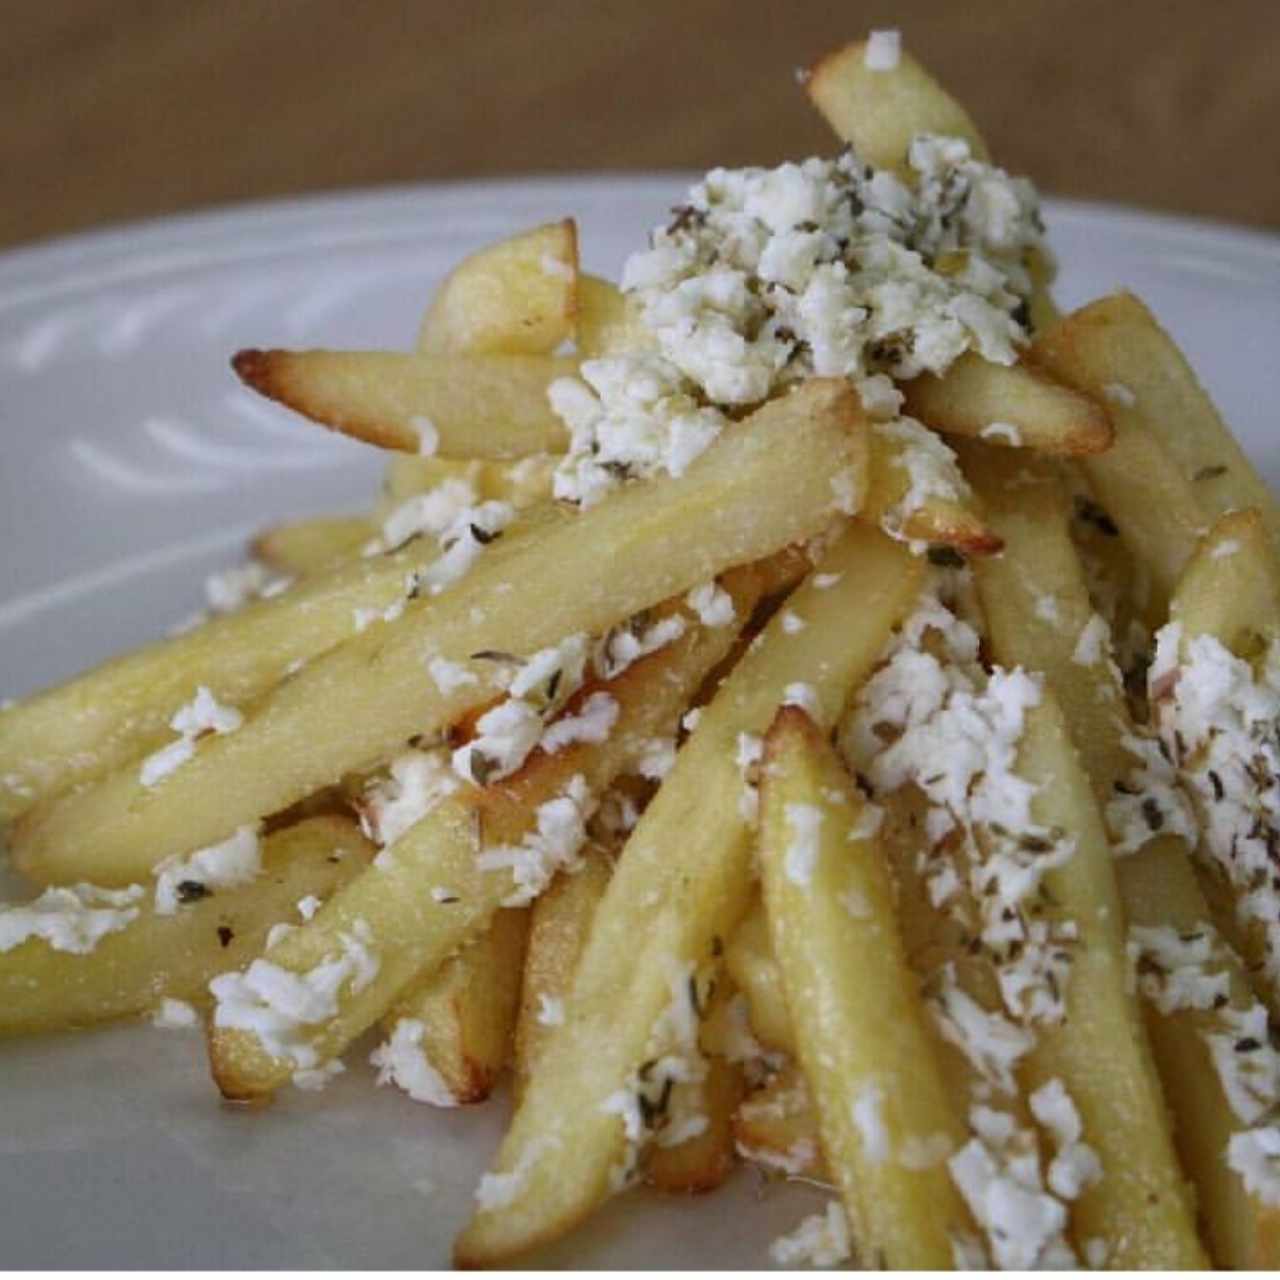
115	109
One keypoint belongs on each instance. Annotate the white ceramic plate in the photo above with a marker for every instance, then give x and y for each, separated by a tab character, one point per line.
131	465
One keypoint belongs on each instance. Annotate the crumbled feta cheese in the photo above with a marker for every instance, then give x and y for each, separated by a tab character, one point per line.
801	858
461	544
713	605
203	714
883	51
689	721
1005	431
633	640
279	1006
1046	609
365	618
1119	394
174	1015
428	435
505	735
1177	971
868	1118
403	1061
550	1010
931	466
1093	642
71	918
1075	1165
1255	1155
313	1079
555	843
804	696
308	906
593	723
821	1240
1248	1066
417	781
792	622
231	589
825	581
656	759
450	676
429	513
235	861
992	1043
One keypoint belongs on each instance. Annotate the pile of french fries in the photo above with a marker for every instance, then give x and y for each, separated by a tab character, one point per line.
724	912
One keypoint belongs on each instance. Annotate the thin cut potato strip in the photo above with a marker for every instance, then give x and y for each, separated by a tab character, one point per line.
855	1004
174	955
310	546
1157	884
1145	377
459	406
413	929
880	111
763	485
701	1163
1138	481
117	712
559	923
467	1009
682	882
518	296
750	961
1015	405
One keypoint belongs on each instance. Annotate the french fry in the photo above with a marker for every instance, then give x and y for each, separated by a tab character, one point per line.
701	1163
99	721
763	485
855	1005
415	930
1137	480
158	956
879	112
1157	883
310	546
776	1128
751	963
558	927
933	518
467	1008
1117	342
682	882
516	296
459	406
606	323
1014	405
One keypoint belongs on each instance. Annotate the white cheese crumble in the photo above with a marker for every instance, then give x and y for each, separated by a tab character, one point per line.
555	842
1219	724
867	1112
593	723
656	759
825	581
713	605
883	51
229	590
1075	1166
933	471
450	676
71	918
308	906
497	1190
792	622
801	857
550	1010
805	696
461	543
428	435
1227	547
416	782
203	714
403	1061
279	1006
1094	642
1255	1155
1002	431
174	1015
821	1240
635	639
235	861
363	619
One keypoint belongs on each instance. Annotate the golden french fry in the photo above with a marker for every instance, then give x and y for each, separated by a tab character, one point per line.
1147	379
516	296
886	1120
682	883
879	112
606	324
776	1128
158	956
925	514
751	963
467	1008
1015	405
763	485
1138	481
459	406
311	546
701	1163
431	895
113	714
560	921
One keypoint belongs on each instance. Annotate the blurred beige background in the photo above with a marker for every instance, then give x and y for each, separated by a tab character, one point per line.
116	109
